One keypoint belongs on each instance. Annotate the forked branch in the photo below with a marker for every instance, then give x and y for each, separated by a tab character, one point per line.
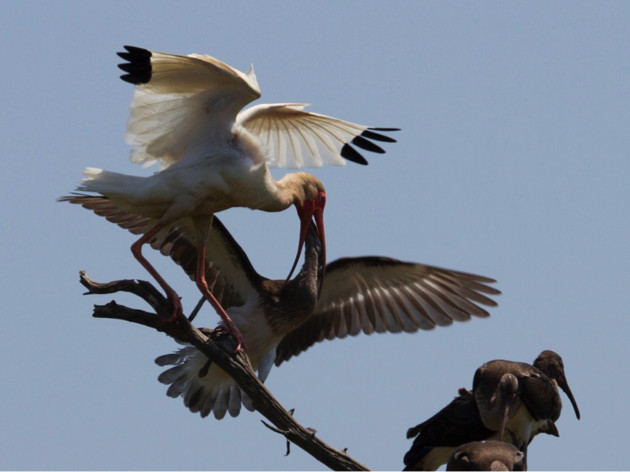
220	349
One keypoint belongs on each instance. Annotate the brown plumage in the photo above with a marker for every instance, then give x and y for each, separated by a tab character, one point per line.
187	112
437	438
516	397
538	404
486	455
363	294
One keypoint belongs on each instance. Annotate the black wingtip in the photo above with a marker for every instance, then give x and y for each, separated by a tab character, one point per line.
363	143
138	67
138	51
352	155
377	137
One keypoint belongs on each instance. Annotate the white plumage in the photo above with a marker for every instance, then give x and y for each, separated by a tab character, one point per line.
186	113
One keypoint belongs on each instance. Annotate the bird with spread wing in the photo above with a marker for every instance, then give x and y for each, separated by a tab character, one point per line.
280	320
187	114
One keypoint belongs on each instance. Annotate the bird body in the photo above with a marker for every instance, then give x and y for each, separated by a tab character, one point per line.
278	321
257	319
208	191
538	406
520	398
436	439
187	114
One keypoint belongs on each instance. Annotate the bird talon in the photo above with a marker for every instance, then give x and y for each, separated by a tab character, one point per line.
236	335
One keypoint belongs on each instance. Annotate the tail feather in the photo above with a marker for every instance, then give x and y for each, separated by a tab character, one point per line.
234	402
108	183
215	392
178	387
171	375
247	402
175	358
220	405
105	207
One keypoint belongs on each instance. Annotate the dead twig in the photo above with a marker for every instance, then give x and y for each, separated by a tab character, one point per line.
220	350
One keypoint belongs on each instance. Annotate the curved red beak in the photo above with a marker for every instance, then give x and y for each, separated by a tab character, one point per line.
311	209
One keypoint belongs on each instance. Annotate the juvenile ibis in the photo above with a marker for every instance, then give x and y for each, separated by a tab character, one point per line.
510	401
538	405
187	114
486	455
278	321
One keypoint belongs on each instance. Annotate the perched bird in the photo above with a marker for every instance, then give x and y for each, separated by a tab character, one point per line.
187	113
510	401
538	405
486	455
437	438
279	321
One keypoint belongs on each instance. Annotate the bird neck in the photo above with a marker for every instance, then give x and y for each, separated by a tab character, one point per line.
290	305
290	190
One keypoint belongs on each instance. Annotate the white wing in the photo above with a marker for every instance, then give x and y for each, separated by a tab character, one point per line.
181	102
297	138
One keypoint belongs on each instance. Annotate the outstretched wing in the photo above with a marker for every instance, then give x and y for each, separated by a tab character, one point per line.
379	294
181	102
229	273
296	138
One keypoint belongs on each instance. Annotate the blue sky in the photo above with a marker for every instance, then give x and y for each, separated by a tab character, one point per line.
513	162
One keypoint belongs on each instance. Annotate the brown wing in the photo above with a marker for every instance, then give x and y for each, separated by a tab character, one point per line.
379	294
455	424
229	273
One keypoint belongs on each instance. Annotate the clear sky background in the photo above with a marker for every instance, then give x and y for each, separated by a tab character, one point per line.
513	162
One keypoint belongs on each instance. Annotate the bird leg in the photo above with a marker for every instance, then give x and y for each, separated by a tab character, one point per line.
203	226
200	279
136	250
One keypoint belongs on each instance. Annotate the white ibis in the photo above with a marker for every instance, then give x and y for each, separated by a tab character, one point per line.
486	455
516	397
278	321
187	113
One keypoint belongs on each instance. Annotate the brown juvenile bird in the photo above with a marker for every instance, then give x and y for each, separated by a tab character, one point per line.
279	321
510	401
486	455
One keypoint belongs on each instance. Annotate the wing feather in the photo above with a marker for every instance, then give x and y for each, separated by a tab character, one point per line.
379	294
296	138
229	273
181	102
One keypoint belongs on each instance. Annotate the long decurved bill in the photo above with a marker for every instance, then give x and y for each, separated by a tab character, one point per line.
564	385
307	212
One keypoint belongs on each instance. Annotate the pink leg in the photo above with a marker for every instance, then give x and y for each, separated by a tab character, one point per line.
136	249
200	279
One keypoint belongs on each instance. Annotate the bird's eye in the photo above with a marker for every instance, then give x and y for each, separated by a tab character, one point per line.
322	198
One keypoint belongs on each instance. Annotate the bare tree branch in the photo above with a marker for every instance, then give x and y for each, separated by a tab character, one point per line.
220	349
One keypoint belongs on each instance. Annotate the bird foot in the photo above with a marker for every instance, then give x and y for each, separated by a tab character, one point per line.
233	331
178	311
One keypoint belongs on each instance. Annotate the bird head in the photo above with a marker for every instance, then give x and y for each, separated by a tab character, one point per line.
552	366
310	201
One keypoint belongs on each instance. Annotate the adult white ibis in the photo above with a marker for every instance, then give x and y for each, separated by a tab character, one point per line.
278	321
187	113
516	397
486	455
